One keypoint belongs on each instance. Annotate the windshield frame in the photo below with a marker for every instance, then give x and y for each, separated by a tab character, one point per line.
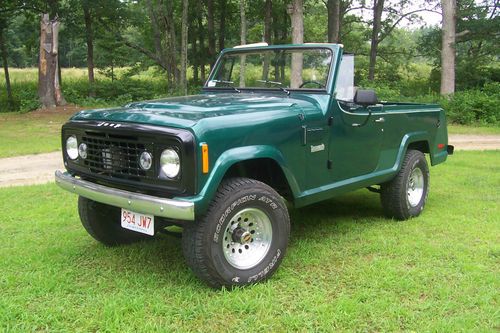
333	48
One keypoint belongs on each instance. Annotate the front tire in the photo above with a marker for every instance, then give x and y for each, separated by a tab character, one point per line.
242	238
102	222
405	196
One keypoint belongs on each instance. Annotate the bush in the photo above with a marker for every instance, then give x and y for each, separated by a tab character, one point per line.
76	91
474	106
25	97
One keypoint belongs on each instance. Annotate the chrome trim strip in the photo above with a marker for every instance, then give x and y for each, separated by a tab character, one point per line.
140	203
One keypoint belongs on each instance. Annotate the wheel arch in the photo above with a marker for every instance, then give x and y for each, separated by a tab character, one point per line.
413	141
263	169
422	146
243	162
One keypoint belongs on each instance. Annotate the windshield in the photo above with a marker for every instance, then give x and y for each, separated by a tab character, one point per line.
276	68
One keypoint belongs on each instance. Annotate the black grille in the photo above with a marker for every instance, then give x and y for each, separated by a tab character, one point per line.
114	155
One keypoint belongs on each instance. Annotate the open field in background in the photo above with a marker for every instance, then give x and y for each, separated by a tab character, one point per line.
480	130
347	268
20	75
32	133
38	132
129	85
478	106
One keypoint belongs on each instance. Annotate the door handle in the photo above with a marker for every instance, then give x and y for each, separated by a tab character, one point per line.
380	120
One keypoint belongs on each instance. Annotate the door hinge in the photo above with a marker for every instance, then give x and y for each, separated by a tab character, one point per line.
329	164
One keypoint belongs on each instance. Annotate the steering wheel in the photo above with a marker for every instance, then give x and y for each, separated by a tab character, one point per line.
321	85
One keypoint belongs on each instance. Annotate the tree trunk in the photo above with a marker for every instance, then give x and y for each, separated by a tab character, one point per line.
267	37
155	24
89	34
276	32
333	20
201	38
378	7
171	47
222	24
284	36
184	46
296	12
268	16
448	47
49	89
195	57
3	46
343	11
243	41
211	31
243	19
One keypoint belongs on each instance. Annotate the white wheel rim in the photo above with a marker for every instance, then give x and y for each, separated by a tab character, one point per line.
415	187
247	238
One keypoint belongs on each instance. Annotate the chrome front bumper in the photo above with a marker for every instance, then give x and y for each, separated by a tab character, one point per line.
140	203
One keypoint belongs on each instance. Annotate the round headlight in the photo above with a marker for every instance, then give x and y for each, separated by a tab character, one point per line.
145	161
170	163
82	150
72	147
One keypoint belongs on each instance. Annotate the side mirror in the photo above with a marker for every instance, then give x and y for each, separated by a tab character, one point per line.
365	97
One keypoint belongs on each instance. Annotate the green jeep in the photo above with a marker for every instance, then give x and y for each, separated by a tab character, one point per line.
273	125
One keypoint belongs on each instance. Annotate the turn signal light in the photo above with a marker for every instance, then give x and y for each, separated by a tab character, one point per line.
440	145
204	158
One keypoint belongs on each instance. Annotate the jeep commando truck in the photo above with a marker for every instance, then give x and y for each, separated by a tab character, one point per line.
272	125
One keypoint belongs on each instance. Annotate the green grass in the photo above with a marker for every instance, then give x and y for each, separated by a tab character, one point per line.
22	134
19	75
347	268
479	130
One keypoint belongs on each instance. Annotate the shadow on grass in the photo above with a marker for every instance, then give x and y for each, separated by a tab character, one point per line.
159	260
162	256
358	207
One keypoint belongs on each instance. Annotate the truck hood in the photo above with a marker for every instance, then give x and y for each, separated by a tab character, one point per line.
184	112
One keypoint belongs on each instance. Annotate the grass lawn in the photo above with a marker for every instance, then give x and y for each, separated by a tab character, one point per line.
347	268
479	130
20	75
31	133
38	132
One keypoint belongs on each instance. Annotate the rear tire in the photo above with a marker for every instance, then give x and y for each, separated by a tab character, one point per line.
405	196
102	222
242	238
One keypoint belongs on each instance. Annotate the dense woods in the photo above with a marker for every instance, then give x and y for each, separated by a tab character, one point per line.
150	48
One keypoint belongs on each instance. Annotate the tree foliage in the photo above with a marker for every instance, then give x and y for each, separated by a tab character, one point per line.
138	35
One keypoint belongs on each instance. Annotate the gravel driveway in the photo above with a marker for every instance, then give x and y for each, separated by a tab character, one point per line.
39	169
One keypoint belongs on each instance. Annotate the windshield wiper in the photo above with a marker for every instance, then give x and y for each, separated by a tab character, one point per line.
270	82
229	83
276	83
222	81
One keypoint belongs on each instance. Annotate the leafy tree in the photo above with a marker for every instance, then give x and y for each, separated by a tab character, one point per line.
476	45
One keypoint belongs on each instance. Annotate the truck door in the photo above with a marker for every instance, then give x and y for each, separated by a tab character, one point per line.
355	137
355	141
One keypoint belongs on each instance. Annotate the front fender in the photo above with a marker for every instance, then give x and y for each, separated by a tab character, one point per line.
228	159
